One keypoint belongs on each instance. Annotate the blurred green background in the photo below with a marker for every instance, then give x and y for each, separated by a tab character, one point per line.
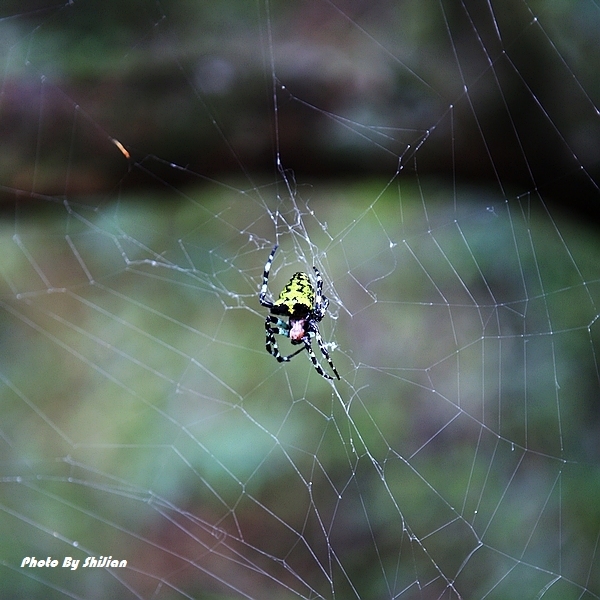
142	417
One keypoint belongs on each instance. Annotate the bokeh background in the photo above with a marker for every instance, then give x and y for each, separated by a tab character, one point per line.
438	161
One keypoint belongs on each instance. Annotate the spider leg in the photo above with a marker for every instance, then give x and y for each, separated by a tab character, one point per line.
324	353
262	298
314	360
275	326
321	301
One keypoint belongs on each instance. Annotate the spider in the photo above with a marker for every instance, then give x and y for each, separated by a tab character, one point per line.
305	309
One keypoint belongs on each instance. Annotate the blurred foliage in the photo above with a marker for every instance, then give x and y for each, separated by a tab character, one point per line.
191	82
140	409
147	399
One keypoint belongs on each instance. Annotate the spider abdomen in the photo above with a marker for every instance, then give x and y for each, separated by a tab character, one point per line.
297	297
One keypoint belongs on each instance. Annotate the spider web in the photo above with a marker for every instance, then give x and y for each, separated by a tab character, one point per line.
413	153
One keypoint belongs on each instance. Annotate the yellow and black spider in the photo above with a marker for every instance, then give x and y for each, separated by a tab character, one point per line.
305	309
